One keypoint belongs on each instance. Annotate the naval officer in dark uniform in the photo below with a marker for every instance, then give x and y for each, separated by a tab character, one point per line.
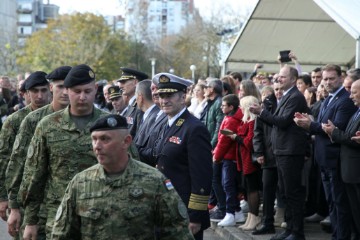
127	83
183	151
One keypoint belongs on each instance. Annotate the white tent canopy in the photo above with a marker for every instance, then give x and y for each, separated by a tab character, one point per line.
317	31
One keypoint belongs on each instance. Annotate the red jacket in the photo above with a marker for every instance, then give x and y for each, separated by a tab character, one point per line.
246	132
227	148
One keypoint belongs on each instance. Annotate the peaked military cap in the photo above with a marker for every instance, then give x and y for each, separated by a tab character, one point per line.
79	75
114	92
128	73
36	79
59	73
109	122
169	83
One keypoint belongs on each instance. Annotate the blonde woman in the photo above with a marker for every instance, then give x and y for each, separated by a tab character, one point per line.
250	170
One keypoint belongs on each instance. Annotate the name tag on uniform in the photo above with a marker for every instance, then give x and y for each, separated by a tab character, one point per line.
175	140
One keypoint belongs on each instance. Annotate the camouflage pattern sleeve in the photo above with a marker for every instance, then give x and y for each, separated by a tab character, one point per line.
7	138
37	163
171	213
15	168
67	223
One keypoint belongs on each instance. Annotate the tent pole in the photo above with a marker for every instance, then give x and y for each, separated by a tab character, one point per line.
357	54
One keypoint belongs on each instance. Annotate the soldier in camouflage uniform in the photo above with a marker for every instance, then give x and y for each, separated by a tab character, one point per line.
60	148
37	87
119	198
14	172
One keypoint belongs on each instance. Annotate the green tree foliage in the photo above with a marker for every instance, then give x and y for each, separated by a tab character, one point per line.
75	39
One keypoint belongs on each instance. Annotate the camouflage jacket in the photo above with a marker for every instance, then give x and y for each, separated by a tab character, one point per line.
57	152
129	206
15	168
7	139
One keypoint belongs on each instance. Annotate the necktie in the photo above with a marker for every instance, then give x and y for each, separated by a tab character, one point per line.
324	106
327	100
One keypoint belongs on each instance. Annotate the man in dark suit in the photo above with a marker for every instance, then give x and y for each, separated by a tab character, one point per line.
337	108
349	155
184	151
145	103
127	83
289	147
146	151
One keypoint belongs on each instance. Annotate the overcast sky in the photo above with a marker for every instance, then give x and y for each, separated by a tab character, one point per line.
113	7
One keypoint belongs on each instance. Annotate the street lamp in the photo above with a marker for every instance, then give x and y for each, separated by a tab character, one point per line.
193	68
153	61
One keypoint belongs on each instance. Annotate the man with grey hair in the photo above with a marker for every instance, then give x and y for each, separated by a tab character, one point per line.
352	75
145	103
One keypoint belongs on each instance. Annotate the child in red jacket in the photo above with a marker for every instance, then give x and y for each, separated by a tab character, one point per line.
226	151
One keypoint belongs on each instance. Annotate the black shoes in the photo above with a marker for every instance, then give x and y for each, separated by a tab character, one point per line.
264	230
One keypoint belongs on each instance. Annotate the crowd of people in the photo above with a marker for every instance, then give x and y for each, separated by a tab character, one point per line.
87	160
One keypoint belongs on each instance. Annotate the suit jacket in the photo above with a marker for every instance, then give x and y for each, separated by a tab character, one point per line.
287	138
262	135
339	111
145	127
146	151
349	151
133	116
184	156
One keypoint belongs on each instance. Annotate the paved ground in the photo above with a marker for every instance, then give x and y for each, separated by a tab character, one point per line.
312	232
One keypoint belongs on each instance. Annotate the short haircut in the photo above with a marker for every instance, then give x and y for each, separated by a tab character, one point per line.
236	75
232	100
332	67
306	79
316	69
353	74
143	87
217	85
293	72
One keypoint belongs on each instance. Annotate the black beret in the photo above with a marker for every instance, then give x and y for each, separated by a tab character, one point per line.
169	83
114	92
128	73
36	79
22	87
59	73
109	122
79	75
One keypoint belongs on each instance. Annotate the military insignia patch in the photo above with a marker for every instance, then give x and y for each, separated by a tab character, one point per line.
168	184
182	210
164	79
136	192
175	140
91	74
180	122
58	213
111	122
30	152
16	143
112	90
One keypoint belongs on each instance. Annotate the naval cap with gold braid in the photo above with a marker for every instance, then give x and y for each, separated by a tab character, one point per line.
169	83
129	73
